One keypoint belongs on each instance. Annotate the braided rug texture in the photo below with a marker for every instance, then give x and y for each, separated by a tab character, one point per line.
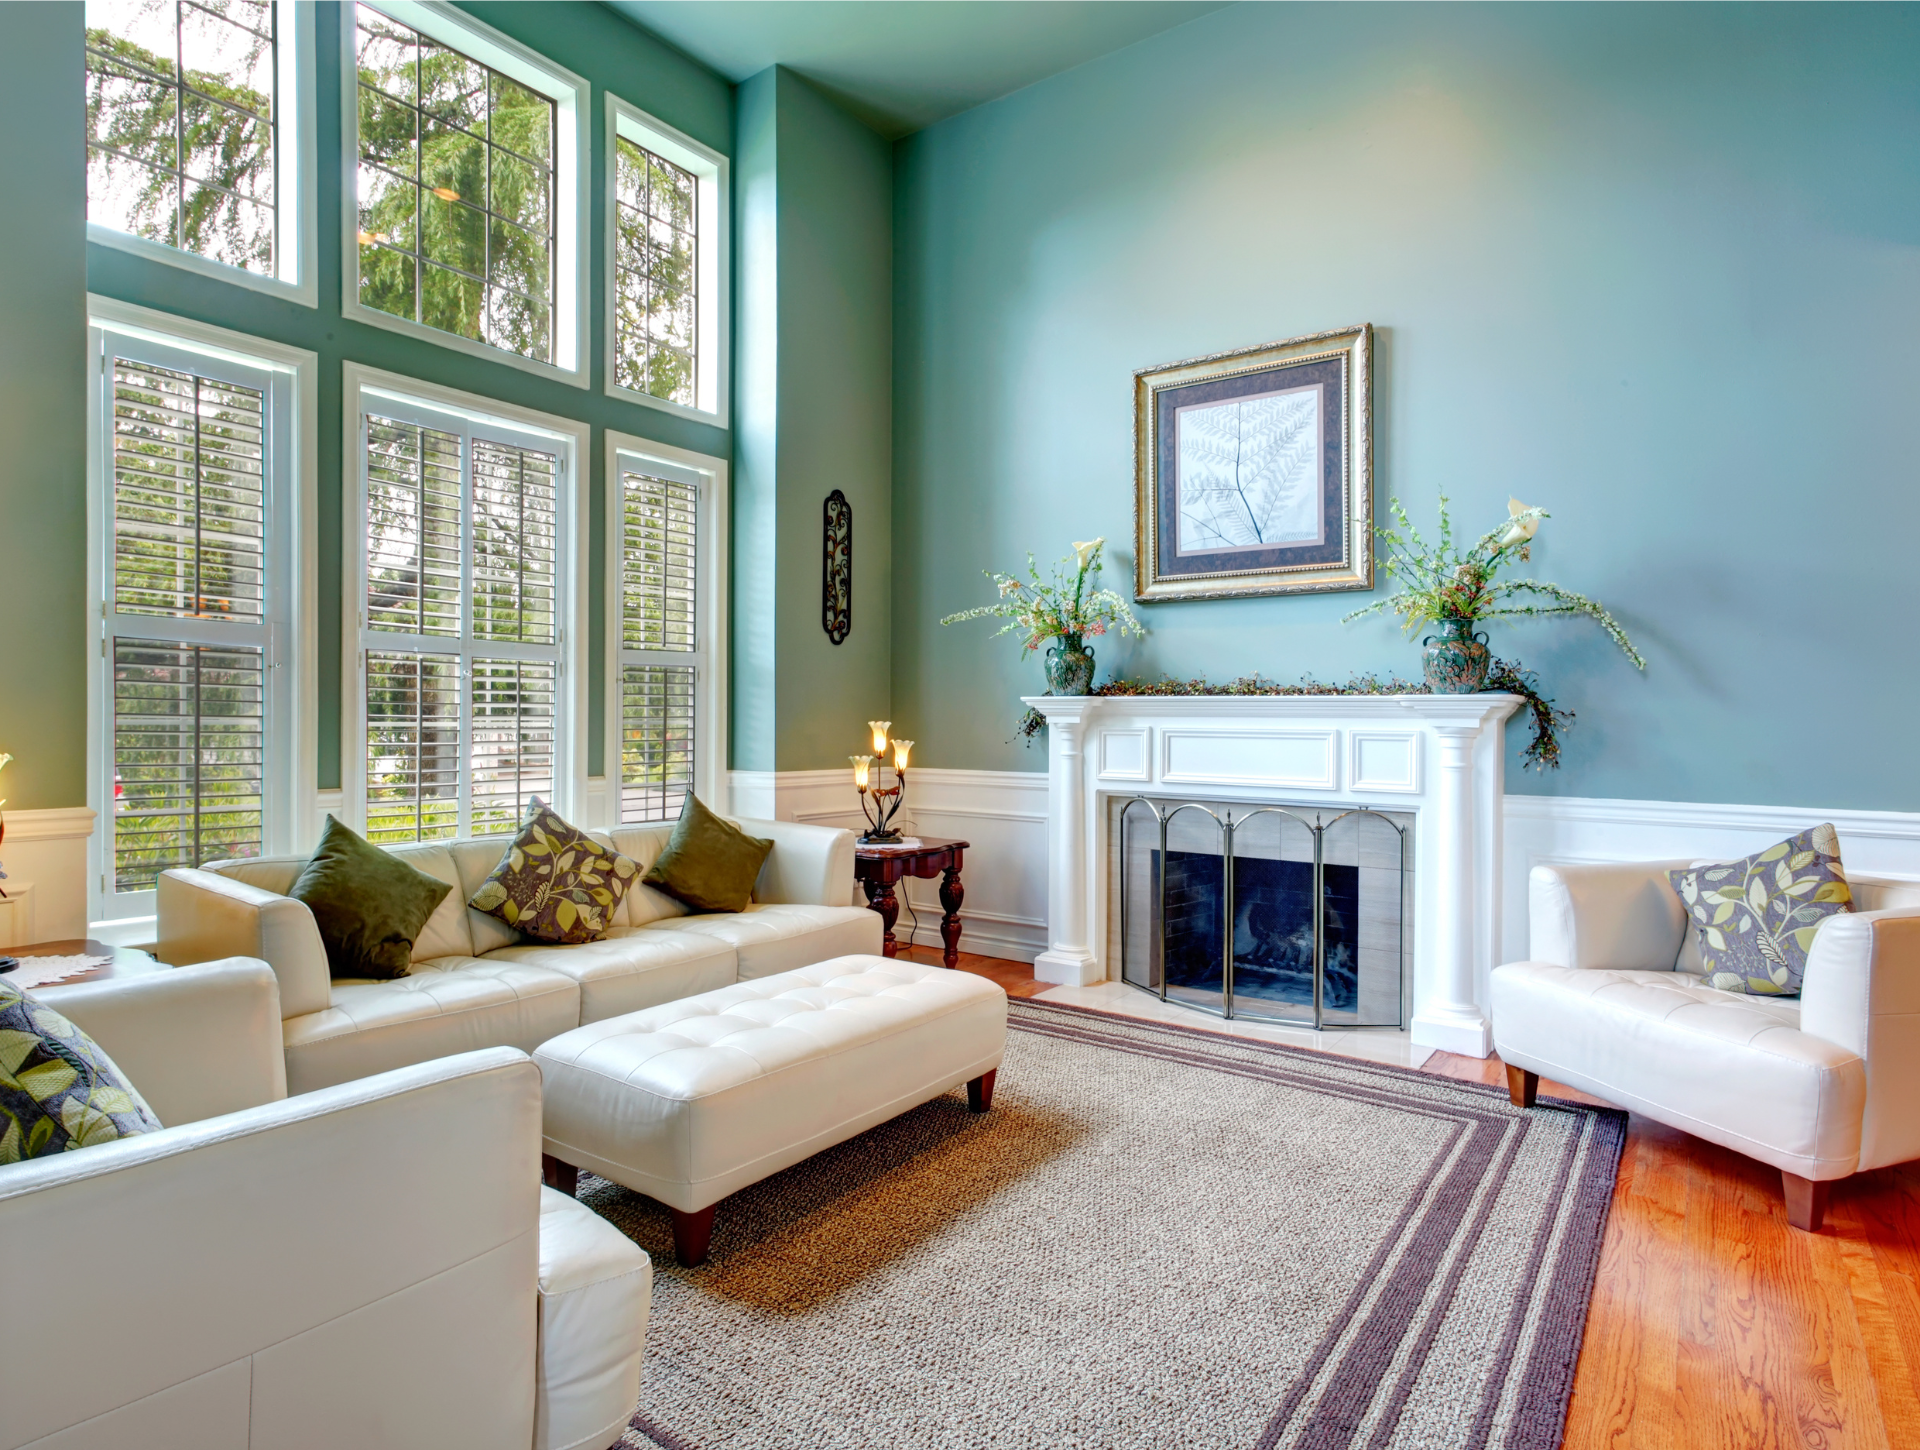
1160	1237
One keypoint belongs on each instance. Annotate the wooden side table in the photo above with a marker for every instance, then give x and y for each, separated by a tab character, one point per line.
127	961
878	864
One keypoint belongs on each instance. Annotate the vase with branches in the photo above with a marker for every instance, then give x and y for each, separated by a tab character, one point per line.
1068	609
1454	591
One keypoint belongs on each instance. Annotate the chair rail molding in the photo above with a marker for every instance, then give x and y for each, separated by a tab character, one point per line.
45	852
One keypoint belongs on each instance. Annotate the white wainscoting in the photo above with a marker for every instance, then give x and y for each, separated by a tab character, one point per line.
1544	829
46	863
1001	813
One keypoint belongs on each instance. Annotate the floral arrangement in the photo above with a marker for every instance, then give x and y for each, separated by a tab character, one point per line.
1065	610
1542	752
1440	584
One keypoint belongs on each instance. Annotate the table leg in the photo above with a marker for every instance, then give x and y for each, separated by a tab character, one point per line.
880	898
952	893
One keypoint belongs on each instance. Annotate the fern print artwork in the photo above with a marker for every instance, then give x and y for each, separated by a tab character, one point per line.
1249	472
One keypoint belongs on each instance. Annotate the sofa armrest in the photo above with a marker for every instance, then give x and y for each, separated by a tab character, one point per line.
809	865
354	1266
196	1042
596	1287
1618	916
1862	991
205	916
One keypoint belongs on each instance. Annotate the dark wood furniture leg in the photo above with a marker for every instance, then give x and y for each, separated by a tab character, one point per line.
1522	1086
1806	1201
881	898
563	1177
952	893
692	1232
980	1091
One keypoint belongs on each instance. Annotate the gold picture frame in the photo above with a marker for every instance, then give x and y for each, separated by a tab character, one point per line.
1253	470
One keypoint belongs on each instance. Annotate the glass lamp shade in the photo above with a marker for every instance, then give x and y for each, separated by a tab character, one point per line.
862	764
901	749
880	729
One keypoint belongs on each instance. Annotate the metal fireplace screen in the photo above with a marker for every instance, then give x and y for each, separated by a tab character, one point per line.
1264	912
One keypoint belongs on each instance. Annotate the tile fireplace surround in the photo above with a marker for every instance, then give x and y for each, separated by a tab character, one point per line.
1439	758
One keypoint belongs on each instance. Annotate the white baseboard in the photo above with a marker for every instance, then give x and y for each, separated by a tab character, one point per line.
45	853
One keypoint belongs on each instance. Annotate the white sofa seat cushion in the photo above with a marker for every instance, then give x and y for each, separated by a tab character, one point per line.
444	1006
1734	1069
695	1100
596	1287
783	936
630	969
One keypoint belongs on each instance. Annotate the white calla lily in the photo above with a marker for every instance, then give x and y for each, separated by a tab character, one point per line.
1086	551
1524	528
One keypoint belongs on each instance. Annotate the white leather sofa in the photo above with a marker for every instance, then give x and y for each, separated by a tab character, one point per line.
475	984
1613	1002
373	1265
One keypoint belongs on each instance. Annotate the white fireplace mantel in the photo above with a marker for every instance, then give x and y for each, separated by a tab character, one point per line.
1439	758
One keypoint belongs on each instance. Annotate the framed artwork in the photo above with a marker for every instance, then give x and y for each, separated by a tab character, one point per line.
1253	470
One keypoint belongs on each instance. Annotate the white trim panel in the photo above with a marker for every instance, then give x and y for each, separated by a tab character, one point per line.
1269	759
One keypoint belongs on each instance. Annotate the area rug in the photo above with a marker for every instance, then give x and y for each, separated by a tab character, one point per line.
1159	1237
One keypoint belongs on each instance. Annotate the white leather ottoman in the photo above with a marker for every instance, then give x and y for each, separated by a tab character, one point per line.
693	1100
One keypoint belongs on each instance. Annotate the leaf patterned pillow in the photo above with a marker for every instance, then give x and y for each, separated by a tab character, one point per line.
555	883
1756	918
58	1090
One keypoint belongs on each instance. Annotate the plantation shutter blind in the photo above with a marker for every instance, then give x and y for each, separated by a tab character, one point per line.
187	640
461	629
659	642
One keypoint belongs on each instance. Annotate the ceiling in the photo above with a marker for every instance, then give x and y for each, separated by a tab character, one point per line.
900	65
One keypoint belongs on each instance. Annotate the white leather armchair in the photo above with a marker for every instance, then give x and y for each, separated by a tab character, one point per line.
371	1265
1612	1002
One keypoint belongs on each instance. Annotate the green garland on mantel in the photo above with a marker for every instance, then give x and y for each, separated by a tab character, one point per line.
1504	678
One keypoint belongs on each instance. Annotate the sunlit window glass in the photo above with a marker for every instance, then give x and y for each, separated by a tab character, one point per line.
655	275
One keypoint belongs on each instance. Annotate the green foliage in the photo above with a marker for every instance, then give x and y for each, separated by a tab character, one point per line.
1061	610
1542	752
1439	582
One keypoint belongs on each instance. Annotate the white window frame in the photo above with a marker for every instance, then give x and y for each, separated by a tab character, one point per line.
292	402
365	389
713	261
296	167
709	657
572	148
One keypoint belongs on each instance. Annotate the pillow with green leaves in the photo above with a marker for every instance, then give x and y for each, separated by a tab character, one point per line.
1756	918
709	863
58	1090
370	905
556	883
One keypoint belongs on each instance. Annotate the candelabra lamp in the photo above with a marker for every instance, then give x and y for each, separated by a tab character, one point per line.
886	801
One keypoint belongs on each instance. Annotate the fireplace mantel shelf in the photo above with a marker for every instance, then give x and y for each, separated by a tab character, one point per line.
1439	758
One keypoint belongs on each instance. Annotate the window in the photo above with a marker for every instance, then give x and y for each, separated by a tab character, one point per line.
195	116
464	184
667	232
194	530
669	508
463	534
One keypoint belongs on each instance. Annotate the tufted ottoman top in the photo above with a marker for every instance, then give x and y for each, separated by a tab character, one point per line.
695	1098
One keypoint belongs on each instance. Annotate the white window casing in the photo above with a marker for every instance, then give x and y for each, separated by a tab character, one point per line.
490	639
713	263
666	628
296	274
460	31
201	465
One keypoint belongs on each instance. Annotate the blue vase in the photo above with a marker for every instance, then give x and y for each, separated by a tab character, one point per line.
1456	660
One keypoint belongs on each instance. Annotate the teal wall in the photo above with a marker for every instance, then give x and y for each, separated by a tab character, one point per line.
590	41
43	345
813	340
1655	268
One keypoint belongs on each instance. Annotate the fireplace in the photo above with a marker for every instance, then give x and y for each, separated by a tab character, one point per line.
1289	914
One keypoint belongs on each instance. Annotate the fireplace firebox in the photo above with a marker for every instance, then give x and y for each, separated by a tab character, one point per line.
1271	913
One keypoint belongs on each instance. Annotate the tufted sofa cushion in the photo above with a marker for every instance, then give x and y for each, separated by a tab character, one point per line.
691	1101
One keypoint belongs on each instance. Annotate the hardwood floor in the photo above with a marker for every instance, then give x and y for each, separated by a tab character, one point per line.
1715	1326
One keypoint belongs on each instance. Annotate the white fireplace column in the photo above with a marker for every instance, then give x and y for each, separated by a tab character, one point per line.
1446	1015
1069	959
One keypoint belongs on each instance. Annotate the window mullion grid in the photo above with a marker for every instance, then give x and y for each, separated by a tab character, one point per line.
469	617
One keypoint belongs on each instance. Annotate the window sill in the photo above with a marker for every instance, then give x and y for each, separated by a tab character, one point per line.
306	293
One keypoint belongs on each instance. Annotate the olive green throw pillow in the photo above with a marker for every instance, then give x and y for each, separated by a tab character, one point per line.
58	1090
368	905
556	883
709	863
